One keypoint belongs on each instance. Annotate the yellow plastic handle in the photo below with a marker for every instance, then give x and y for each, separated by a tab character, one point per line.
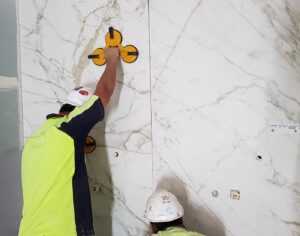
98	57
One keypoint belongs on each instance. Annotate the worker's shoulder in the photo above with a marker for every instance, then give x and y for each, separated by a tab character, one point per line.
192	233
52	122
187	233
93	105
178	231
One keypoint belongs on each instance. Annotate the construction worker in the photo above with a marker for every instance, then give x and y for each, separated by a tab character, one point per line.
54	178
165	212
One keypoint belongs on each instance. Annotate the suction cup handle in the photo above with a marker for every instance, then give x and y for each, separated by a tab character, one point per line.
93	56
133	53
111	32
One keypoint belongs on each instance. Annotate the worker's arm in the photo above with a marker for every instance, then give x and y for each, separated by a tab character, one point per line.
107	82
83	118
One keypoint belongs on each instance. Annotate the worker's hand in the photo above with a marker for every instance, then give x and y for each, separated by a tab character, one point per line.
111	55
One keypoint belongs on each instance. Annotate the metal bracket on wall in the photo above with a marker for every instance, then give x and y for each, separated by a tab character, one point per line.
284	128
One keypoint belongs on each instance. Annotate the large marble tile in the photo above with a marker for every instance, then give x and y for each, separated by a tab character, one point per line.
223	75
125	182
220	80
57	36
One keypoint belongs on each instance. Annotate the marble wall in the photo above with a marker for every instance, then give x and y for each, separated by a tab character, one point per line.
211	105
225	89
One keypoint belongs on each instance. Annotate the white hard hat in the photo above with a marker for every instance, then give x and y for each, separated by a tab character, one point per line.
78	96
163	206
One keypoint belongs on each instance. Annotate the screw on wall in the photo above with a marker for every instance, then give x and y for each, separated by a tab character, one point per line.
235	194
259	157
96	188
116	154
215	193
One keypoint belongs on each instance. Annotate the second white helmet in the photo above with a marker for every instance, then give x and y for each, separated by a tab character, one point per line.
78	96
163	206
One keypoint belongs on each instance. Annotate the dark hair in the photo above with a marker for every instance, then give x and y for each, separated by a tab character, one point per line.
164	225
66	108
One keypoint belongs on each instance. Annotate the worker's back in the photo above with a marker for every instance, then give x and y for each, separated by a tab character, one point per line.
177	231
56	194
47	170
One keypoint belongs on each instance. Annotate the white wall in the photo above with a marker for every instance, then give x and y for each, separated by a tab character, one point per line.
216	84
10	122
223	72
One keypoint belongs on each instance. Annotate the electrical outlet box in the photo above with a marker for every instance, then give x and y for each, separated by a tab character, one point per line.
235	194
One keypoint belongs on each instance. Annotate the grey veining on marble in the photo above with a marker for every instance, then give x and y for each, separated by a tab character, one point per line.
212	104
224	72
56	37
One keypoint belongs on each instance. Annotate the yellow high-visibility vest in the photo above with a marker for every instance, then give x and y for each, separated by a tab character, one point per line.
48	168
177	231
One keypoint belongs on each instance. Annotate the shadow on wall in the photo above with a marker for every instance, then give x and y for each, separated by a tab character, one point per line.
99	172
195	218
11	192
297	184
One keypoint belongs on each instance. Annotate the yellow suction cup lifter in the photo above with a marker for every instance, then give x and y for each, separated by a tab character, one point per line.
113	38
129	53
90	144
98	57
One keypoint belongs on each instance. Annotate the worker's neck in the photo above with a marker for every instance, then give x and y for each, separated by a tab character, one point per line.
63	113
